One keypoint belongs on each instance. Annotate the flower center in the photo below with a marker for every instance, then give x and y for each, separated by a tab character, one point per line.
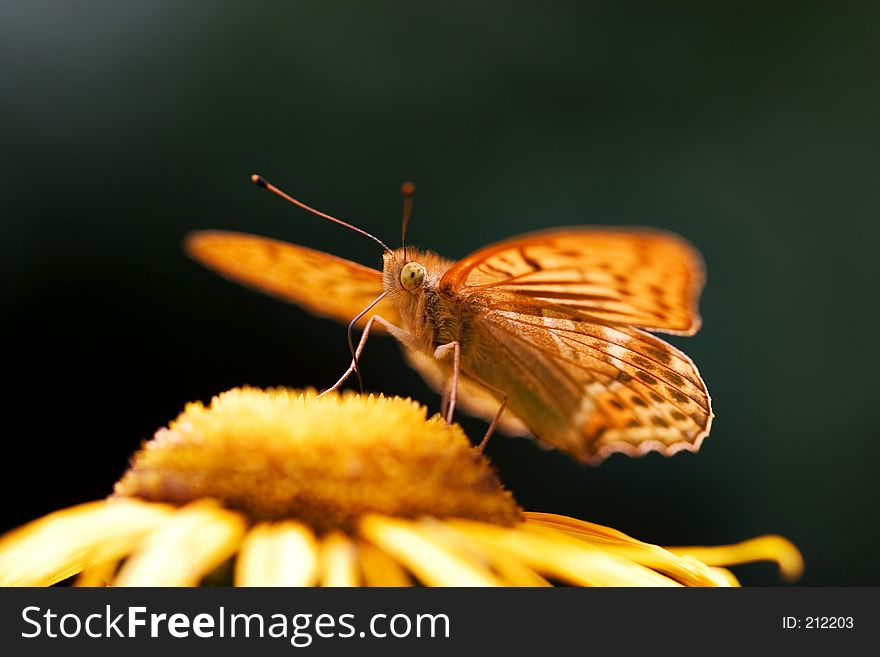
286	454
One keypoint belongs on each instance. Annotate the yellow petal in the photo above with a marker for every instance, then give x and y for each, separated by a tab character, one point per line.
512	570
379	568
189	545
689	572
429	559
97	574
762	548
561	557
63	543
278	554
339	561
724	574
581	527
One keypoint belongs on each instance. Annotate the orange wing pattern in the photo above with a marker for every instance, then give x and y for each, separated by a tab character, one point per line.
637	277
318	282
590	388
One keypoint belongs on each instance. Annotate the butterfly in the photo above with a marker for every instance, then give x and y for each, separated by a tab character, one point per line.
544	335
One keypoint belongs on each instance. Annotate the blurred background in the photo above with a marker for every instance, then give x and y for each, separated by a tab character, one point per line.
753	131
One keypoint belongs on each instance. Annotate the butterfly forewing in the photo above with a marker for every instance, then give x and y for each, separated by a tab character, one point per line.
637	277
321	283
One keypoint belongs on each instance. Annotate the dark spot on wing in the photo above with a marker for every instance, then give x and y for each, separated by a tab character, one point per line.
497	270
658	421
647	378
638	401
659	354
531	262
657	398
623	377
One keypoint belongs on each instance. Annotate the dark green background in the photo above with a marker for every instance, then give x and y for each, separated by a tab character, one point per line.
751	131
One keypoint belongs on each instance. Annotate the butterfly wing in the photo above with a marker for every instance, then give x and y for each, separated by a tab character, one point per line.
321	283
636	277
555	316
590	388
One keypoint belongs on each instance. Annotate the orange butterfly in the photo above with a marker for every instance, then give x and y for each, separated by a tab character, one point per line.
540	334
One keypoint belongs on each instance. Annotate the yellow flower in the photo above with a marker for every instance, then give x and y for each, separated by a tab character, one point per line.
282	488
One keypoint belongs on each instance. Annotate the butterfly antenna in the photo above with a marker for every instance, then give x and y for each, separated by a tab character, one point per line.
354	355
259	181
408	190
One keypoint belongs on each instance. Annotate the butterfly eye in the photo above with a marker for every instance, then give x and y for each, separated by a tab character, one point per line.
411	276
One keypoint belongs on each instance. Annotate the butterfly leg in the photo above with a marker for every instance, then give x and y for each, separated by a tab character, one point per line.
396	331
440	353
494	423
444	401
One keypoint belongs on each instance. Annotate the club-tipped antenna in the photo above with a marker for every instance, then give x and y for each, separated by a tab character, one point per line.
259	181
408	190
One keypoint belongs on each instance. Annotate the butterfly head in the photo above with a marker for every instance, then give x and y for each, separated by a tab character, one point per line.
408	276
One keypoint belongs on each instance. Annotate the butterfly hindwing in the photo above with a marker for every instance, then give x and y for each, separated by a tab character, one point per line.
592	388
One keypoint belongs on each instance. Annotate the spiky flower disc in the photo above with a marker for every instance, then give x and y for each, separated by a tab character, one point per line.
325	461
